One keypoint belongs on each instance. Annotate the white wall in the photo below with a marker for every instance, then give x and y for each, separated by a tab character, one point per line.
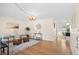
7	31
47	29
75	31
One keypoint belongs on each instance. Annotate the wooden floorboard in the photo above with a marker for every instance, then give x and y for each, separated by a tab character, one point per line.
47	48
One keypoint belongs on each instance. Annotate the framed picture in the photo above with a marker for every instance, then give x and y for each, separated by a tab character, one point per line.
12	25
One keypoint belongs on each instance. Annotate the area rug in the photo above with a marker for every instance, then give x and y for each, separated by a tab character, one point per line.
17	48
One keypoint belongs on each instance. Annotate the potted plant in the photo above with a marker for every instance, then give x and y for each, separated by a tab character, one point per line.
68	30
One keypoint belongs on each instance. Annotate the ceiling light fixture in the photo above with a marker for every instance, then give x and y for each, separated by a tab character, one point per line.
32	17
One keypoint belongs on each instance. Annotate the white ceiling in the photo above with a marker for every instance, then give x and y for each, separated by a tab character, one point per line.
58	11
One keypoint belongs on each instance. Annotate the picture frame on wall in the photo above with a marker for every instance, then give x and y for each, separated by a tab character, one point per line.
12	25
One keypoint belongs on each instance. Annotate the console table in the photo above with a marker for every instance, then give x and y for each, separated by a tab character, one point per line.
37	36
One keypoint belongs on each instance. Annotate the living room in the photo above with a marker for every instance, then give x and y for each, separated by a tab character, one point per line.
26	27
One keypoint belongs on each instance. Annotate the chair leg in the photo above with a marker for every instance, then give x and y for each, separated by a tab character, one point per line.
3	50
7	50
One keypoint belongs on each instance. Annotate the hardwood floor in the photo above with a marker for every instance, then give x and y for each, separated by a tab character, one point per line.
47	48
